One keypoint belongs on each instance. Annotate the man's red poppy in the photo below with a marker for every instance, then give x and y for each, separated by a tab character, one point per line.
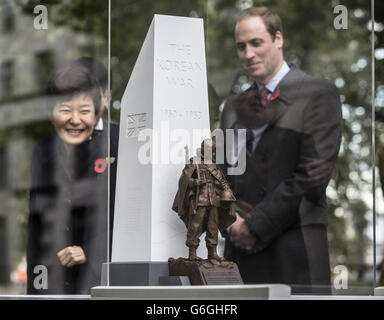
274	95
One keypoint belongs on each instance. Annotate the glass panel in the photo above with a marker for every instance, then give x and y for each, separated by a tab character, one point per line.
52	170
331	46
37	43
379	112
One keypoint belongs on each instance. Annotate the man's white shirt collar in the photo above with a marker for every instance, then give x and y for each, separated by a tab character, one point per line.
272	84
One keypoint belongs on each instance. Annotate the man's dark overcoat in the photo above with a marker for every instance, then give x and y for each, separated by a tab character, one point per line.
287	202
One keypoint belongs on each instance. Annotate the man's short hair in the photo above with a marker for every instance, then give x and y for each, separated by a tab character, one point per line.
271	19
70	81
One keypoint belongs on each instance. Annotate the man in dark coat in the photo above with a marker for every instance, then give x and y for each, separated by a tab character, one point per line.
200	203
293	124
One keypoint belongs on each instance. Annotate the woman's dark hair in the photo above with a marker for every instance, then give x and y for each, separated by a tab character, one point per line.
96	68
71	81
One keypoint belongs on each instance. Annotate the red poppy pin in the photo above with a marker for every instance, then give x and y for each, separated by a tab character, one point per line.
274	95
100	165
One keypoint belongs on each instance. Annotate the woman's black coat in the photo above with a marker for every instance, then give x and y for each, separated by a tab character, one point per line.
68	206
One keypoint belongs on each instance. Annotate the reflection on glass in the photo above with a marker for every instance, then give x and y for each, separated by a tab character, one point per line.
76	28
37	38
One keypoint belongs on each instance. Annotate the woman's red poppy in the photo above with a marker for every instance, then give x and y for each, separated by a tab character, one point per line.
100	165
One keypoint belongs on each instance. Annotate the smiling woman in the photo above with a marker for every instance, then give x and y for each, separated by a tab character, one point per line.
68	195
74	99
74	120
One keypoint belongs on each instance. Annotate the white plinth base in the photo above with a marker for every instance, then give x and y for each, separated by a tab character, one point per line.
379	291
233	292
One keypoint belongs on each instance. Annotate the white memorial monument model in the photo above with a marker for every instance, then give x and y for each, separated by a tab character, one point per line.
166	93
164	114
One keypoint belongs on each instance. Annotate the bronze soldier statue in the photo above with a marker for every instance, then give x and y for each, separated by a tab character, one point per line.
204	201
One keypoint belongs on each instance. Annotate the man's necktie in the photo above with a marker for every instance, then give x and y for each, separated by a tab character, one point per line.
249	141
264	96
263	100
